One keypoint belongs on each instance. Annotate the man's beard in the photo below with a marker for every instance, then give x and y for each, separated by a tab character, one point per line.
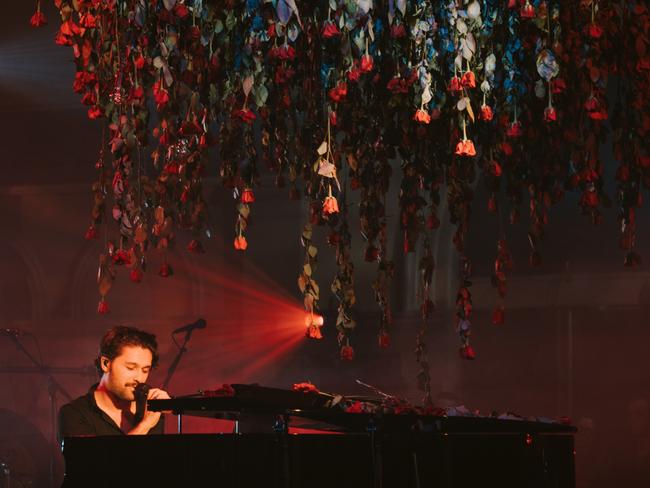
125	392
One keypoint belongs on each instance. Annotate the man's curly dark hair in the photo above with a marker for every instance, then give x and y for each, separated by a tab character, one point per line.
119	336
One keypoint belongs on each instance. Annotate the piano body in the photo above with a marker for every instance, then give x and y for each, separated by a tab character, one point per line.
358	450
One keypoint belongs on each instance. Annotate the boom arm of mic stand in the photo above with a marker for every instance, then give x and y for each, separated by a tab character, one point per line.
177	359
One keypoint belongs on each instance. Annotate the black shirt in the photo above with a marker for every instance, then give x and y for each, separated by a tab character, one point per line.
82	417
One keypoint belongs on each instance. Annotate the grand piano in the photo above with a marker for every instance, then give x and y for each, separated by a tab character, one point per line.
376	449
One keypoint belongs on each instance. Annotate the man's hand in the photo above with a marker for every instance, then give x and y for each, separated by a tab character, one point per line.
150	418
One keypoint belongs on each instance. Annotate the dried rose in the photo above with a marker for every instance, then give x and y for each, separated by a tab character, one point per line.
468	80
165	270
371	254
498	315
91	233
95	112
486	113
467	352
136	275
527	11
305	387
330	29
38	19
422	116
240	243
397	85
465	148
366	63
313	332
103	307
330	205
247	196
455	85
514	130
550	114
347	353
195	247
595	31
245	115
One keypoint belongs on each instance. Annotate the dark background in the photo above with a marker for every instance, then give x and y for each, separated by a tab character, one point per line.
574	342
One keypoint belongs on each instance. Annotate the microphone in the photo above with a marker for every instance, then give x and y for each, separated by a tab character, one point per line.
199	324
13	332
140	393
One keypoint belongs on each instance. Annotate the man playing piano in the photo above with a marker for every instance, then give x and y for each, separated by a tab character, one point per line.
126	357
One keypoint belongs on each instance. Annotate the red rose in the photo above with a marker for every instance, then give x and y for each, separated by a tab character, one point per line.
160	95
333	119
495	168
38	19
467	352
492	204
632	259
486	113
384	339
95	112
334	238
498	315
136	275
330	205
247	196
397	31
347	353
589	199
535	259
121	256
103	307
371	254
592	104
527	11
354	74
550	114
240	243
422	116
468	80
88	20
599	114
286	53
246	115
330	30
138	61
356	407
398	85
181	10
366	63
455	85
165	270
558	85
195	247
433	222
465	148
313	332
595	31
305	387
514	130
91	233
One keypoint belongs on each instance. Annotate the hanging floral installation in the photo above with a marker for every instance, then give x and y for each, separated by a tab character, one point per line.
342	94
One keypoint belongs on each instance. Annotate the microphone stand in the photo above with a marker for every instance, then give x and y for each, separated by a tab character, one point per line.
182	349
53	387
